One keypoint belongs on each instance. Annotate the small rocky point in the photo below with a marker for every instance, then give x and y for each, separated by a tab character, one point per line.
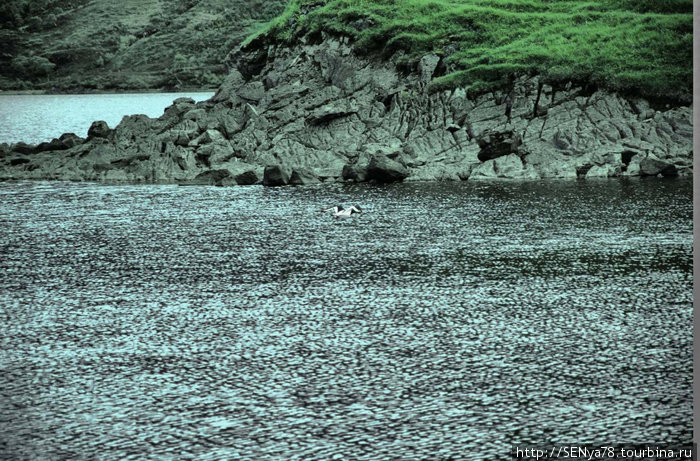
319	113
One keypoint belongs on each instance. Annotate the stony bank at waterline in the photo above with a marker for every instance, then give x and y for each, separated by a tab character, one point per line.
318	112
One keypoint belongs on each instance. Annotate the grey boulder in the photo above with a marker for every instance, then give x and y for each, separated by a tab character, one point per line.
303	177
382	169
247	178
652	166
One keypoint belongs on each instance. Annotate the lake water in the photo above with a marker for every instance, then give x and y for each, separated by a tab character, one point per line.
38	118
449	321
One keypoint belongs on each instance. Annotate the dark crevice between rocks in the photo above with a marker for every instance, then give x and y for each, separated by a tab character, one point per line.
18	161
441	69
181	163
461	120
587	89
387	101
583	170
326	119
537	99
314	38
510	98
496	145
268	83
203	159
252	64
626	158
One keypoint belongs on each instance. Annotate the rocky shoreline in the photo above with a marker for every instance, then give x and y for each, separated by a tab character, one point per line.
318	113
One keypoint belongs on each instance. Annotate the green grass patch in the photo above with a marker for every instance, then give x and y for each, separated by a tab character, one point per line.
634	46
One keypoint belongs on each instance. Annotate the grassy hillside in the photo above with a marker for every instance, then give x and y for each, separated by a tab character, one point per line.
639	46
125	44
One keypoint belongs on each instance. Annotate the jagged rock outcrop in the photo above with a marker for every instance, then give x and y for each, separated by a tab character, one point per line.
320	113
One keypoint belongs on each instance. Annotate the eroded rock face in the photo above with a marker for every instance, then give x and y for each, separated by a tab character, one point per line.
318	113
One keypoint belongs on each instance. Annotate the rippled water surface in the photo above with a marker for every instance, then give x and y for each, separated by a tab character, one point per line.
39	118
449	321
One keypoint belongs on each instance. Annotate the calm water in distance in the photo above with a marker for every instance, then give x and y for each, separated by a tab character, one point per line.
450	321
38	118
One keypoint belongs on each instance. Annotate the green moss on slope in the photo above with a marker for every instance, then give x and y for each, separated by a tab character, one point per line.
638	46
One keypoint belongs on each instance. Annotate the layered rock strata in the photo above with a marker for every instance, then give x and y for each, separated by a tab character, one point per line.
320	113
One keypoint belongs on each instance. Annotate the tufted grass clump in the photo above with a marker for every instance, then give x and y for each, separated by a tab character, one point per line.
632	46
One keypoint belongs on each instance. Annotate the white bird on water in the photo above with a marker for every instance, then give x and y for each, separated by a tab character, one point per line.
340	212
